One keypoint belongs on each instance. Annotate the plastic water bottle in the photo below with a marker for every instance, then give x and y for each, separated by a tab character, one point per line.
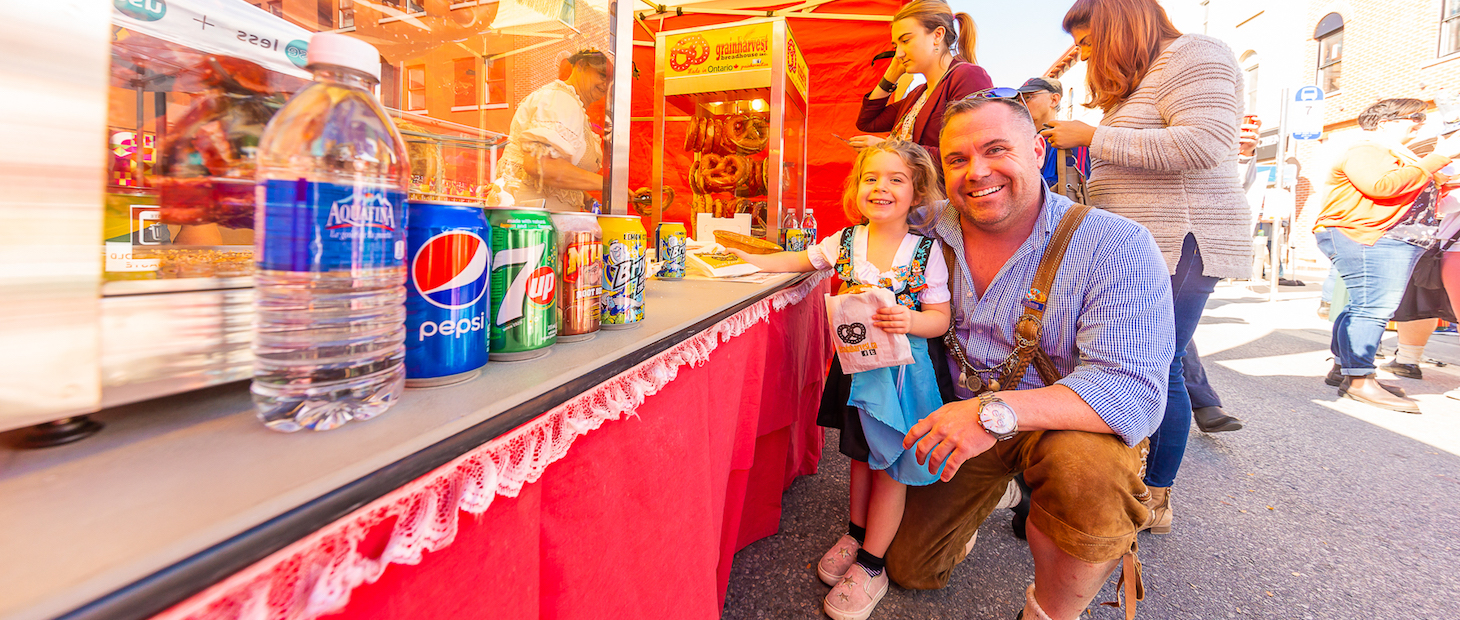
792	239
330	248
808	224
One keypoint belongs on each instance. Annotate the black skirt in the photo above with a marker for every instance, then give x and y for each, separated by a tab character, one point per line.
835	413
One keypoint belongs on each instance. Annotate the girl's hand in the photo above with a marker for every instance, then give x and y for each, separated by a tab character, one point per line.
1068	134
862	142
893	319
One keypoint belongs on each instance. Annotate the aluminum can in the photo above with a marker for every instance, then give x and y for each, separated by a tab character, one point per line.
624	257
524	283
448	302
669	239
580	284
795	239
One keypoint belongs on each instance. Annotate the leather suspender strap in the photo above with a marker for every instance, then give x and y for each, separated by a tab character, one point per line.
1030	326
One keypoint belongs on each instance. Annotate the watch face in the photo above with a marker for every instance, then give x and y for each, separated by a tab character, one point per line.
998	418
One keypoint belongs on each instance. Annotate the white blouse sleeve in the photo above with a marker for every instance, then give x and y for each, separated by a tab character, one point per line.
823	255
555	128
935	274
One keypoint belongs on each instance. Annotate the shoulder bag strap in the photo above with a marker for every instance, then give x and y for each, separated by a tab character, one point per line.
1030	327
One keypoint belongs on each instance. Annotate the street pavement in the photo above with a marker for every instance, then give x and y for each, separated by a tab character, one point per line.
1320	507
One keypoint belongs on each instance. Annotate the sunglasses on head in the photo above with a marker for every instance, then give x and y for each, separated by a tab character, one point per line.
998	92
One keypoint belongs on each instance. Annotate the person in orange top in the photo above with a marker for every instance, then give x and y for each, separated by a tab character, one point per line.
1379	204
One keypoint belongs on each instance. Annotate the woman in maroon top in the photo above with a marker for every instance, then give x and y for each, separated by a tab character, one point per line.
939	45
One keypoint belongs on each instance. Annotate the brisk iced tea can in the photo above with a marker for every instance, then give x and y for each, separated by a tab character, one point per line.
580	284
448	305
669	240
524	283
624	250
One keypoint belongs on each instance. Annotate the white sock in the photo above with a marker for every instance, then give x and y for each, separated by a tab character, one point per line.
1410	353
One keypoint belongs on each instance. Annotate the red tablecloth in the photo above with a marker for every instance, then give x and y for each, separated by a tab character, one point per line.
643	516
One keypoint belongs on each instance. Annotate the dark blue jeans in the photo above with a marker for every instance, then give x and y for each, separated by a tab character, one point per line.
1197	385
1375	276
1189	292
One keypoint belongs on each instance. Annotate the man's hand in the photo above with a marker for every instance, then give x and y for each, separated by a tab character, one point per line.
862	142
1247	139
1067	134
952	433
893	319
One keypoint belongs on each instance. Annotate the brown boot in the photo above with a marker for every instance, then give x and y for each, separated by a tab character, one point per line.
1335	378
1160	504
1374	393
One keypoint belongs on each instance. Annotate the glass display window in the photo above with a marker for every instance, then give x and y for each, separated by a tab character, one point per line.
730	116
194	83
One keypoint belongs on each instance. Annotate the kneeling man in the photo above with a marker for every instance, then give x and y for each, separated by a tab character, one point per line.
1076	423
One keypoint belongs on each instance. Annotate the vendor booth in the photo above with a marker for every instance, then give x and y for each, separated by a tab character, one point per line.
137	481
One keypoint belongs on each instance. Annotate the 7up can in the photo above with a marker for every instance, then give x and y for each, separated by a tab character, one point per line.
624	255
524	283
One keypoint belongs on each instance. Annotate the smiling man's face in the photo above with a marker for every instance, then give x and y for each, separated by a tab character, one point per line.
991	167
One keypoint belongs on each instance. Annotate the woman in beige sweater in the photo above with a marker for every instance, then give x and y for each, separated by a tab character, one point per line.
1164	155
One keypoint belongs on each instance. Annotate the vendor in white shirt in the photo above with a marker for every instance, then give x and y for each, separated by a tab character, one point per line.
553	152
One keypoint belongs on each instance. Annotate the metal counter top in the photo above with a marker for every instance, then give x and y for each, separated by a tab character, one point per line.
180	492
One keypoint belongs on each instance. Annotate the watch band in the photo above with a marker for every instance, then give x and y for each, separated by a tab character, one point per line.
887	85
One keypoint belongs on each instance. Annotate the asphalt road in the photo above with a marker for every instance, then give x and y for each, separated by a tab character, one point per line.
1320	508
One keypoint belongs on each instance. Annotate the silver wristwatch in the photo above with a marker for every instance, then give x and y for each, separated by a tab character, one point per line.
997	417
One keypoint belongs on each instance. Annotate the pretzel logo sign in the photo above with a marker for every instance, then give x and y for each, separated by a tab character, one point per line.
691	50
852	333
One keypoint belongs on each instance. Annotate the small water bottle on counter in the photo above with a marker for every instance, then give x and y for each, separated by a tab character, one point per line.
793	239
808	224
330	247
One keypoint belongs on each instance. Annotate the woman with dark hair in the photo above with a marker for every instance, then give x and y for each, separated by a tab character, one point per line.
553	152
1164	155
934	42
1377	192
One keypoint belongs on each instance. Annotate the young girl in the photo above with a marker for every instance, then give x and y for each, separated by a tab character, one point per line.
878	407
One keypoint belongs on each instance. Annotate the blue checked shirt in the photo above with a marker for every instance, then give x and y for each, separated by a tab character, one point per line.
1108	325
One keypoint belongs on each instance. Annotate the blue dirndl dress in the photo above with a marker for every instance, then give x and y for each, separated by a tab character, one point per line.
890	401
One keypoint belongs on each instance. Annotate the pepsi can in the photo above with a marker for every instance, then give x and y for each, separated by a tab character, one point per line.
448	297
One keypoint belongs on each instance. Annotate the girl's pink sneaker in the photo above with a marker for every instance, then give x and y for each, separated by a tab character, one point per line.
856	596
834	564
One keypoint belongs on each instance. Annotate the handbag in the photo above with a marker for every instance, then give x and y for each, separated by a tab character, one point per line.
1426	273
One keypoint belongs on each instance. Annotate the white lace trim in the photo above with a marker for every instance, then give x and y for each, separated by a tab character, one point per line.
316	574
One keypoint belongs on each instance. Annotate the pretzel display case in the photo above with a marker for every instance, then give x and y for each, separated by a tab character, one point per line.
733	98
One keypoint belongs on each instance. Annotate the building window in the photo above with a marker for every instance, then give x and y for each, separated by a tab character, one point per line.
464	83
409	6
416	88
1450	27
1329	34
568	13
496	81
347	14
1249	81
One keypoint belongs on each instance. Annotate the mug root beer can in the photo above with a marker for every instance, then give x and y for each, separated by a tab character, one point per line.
448	304
524	283
580	283
624	256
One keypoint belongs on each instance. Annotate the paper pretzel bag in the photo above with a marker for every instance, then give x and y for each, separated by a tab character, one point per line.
859	344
